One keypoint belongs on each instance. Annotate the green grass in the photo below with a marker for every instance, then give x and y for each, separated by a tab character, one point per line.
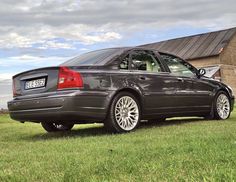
177	150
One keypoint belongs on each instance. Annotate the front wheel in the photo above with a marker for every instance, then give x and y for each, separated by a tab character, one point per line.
221	106
124	114
55	127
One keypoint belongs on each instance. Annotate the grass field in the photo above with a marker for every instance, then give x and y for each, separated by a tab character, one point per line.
177	150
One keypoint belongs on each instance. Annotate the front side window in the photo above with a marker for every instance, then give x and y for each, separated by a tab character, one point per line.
144	61
178	66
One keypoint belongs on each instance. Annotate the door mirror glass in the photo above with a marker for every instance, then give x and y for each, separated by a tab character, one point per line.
201	72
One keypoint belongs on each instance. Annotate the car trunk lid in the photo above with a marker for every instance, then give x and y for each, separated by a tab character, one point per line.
35	81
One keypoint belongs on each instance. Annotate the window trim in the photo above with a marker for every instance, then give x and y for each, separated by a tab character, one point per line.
156	57
167	67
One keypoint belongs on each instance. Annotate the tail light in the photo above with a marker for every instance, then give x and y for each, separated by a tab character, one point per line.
69	79
14	87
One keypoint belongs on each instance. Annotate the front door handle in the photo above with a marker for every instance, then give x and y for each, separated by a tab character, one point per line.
180	79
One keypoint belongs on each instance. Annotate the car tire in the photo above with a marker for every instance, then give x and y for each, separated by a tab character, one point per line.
56	127
221	106
124	113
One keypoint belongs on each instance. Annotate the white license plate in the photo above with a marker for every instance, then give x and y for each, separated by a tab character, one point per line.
35	83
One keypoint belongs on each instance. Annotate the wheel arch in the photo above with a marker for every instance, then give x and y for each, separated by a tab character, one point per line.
136	93
214	114
222	89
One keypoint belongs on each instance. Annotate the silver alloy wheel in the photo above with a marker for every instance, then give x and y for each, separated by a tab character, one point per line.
127	113
223	106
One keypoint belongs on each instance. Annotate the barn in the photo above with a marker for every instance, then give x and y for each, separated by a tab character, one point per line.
214	51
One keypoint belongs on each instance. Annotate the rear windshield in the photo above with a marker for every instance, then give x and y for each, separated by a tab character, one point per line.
99	57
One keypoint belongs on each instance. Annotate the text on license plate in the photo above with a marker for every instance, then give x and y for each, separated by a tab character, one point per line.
35	83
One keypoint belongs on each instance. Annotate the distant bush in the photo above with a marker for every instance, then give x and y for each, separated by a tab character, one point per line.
4	111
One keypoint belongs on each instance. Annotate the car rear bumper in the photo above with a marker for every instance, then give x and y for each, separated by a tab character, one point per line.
70	106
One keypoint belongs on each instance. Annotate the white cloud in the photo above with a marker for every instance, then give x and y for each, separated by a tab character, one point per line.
26	23
5	76
5	95
101	37
15	40
24	57
16	64
32	60
84	49
46	36
56	45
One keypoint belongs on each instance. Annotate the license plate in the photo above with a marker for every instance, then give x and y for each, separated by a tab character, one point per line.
32	84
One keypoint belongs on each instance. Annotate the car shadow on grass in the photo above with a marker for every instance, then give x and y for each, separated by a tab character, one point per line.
77	132
99	130
172	121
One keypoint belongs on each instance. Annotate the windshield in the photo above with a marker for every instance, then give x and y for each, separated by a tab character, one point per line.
99	57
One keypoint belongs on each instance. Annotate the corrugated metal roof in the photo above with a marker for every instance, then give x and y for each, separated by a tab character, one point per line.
196	46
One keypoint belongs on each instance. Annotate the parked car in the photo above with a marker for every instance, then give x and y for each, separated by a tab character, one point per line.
118	87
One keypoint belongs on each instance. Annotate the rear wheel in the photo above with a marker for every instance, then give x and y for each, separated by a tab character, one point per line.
55	127
124	114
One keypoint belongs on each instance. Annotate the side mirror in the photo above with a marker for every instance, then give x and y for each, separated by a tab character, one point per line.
201	72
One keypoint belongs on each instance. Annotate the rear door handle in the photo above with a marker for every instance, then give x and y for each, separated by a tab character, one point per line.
142	78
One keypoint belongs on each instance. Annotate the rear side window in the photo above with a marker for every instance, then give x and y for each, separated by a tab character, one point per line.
99	57
125	63
145	61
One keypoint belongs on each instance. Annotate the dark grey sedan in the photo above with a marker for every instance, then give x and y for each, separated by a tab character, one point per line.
118	87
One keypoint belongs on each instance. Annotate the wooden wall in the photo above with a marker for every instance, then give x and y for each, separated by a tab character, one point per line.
228	64
228	75
203	62
228	55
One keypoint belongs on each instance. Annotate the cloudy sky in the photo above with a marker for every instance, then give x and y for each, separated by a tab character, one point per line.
47	32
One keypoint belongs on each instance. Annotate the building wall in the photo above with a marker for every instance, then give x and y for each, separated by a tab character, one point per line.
228	75
228	64
228	55
203	62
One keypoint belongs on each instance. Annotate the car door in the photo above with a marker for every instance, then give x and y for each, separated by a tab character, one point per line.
192	93
157	86
204	93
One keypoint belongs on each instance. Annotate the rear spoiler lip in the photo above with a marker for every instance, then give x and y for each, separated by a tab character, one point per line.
35	70
57	67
